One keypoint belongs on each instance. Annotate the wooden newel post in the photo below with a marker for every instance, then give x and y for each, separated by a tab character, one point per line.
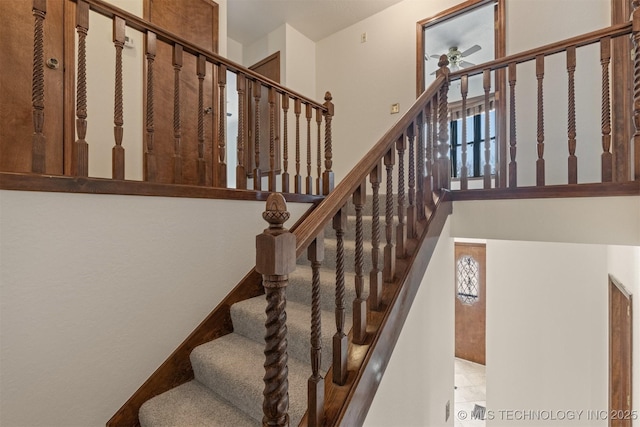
635	17
275	259
327	176
444	166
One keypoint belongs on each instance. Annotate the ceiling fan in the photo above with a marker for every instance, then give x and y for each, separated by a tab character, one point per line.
456	57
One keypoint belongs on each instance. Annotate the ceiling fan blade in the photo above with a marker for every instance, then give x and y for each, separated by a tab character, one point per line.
472	49
434	56
465	64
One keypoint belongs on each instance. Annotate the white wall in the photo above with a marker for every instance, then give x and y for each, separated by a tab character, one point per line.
547	345
418	381
96	291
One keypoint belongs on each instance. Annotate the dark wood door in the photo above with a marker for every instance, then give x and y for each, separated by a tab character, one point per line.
471	301
619	355
16	65
270	68
197	22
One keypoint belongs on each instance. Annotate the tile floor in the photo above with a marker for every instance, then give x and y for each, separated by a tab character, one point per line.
470	382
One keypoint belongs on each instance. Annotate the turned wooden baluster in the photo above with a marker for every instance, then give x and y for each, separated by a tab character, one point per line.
222	126
606	157
297	109
375	276
389	270
309	179
257	173
540	174
319	153
272	139
572	162
420	166
285	146
464	170
636	87
241	171
315	384
486	80
177	126
444	163
117	166
359	303
80	159
39	9
340	342
513	166
202	165
401	230
429	181
411	209
327	177
151	167
275	259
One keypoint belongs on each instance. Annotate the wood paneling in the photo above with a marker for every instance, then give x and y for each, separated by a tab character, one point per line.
620	355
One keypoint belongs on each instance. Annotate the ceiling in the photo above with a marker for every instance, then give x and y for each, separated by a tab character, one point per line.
251	20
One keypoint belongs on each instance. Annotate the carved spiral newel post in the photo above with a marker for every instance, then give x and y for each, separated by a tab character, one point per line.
80	159
327	176
117	167
275	259
444	167
37	88
636	88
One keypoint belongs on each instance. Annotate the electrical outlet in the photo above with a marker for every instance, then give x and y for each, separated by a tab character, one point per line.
395	108
363	37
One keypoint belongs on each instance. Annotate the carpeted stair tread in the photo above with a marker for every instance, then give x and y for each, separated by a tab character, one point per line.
330	249
194	405
299	288
249	314
234	365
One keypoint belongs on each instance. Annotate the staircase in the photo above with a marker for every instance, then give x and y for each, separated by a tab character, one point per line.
227	389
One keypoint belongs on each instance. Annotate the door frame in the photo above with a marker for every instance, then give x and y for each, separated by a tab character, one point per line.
620	351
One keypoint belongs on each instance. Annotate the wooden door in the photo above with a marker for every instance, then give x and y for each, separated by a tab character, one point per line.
270	68
619	354
16	65
471	301
197	22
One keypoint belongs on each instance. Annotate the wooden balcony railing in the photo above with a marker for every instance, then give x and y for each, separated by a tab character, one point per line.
576	146
270	152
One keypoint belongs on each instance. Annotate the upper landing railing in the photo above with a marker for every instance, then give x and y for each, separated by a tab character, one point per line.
507	165
271	144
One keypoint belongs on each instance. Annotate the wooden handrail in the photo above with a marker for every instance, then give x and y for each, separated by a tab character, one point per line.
142	25
546	50
311	227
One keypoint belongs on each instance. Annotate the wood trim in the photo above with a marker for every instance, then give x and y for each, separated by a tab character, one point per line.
619	285
68	184
620	371
273	57
630	188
